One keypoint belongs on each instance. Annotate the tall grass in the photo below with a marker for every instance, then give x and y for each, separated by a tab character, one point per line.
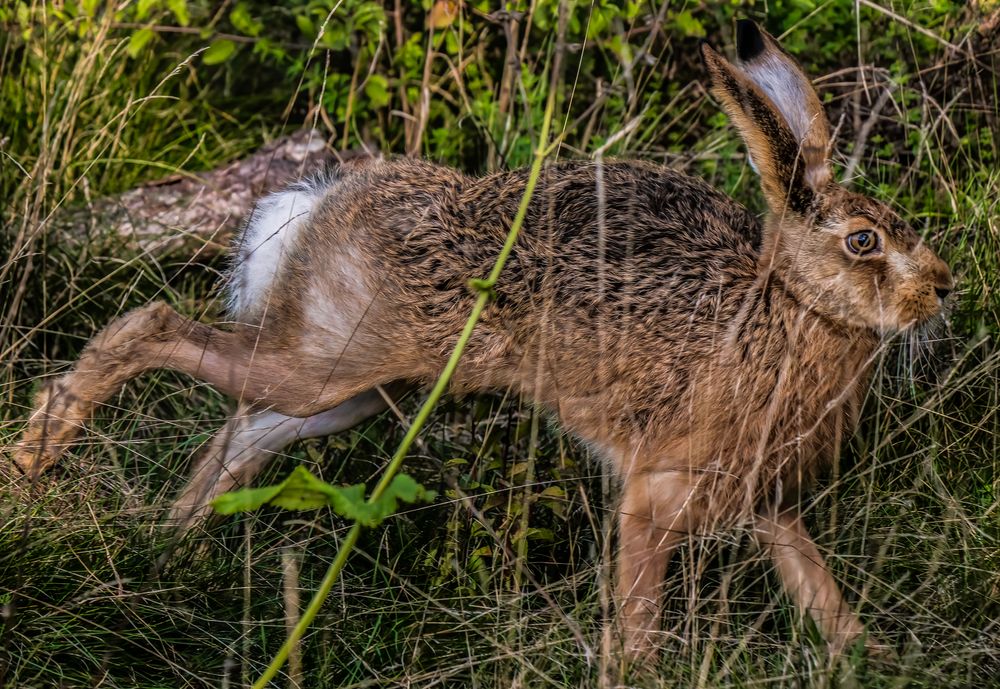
496	583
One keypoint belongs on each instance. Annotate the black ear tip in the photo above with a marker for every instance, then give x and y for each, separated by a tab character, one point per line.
749	40
704	48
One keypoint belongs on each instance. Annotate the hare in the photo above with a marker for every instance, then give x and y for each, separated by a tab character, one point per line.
714	361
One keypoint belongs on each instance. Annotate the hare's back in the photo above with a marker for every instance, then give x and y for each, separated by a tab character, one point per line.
634	241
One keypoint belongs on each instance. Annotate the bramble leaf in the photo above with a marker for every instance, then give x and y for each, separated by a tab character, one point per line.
349	502
304	491
300	491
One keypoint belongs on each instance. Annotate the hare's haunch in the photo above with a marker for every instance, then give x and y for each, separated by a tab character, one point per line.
716	362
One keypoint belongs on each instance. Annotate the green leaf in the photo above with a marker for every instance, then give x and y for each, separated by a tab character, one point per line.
305	25
300	491
405	488
245	500
219	51
688	25
179	8
138	41
143	7
402	488
377	90
534	534
303	491
336	37
244	21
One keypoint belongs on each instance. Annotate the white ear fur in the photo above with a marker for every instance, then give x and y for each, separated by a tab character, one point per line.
788	90
781	79
775	154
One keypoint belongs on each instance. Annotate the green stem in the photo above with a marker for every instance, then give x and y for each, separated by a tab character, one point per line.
329	579
484	290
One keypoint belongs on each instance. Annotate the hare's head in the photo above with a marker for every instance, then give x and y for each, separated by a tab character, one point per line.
842	254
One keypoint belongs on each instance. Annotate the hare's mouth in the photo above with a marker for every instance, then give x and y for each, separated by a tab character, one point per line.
919	318
916	309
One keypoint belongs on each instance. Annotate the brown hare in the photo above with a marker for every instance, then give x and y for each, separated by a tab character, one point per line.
714	361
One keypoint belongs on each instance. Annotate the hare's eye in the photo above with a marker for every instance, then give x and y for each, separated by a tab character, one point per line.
862	242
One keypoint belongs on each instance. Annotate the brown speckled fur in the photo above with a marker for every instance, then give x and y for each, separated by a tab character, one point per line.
715	362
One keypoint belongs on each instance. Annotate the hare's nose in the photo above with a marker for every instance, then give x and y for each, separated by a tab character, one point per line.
940	276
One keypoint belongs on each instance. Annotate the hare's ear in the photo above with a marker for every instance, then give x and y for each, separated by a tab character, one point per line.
778	114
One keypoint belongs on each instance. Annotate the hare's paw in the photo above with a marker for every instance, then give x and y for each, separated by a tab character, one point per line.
58	418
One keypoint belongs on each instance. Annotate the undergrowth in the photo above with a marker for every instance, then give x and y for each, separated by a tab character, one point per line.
503	581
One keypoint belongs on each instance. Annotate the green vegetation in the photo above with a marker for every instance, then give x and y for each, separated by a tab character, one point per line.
502	581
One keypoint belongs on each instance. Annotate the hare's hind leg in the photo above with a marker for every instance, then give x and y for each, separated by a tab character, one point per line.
248	441
116	354
156	336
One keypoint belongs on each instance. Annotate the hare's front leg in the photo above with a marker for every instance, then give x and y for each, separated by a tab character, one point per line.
248	441
806	578
657	513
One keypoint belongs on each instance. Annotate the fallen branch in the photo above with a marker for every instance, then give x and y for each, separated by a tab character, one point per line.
197	213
